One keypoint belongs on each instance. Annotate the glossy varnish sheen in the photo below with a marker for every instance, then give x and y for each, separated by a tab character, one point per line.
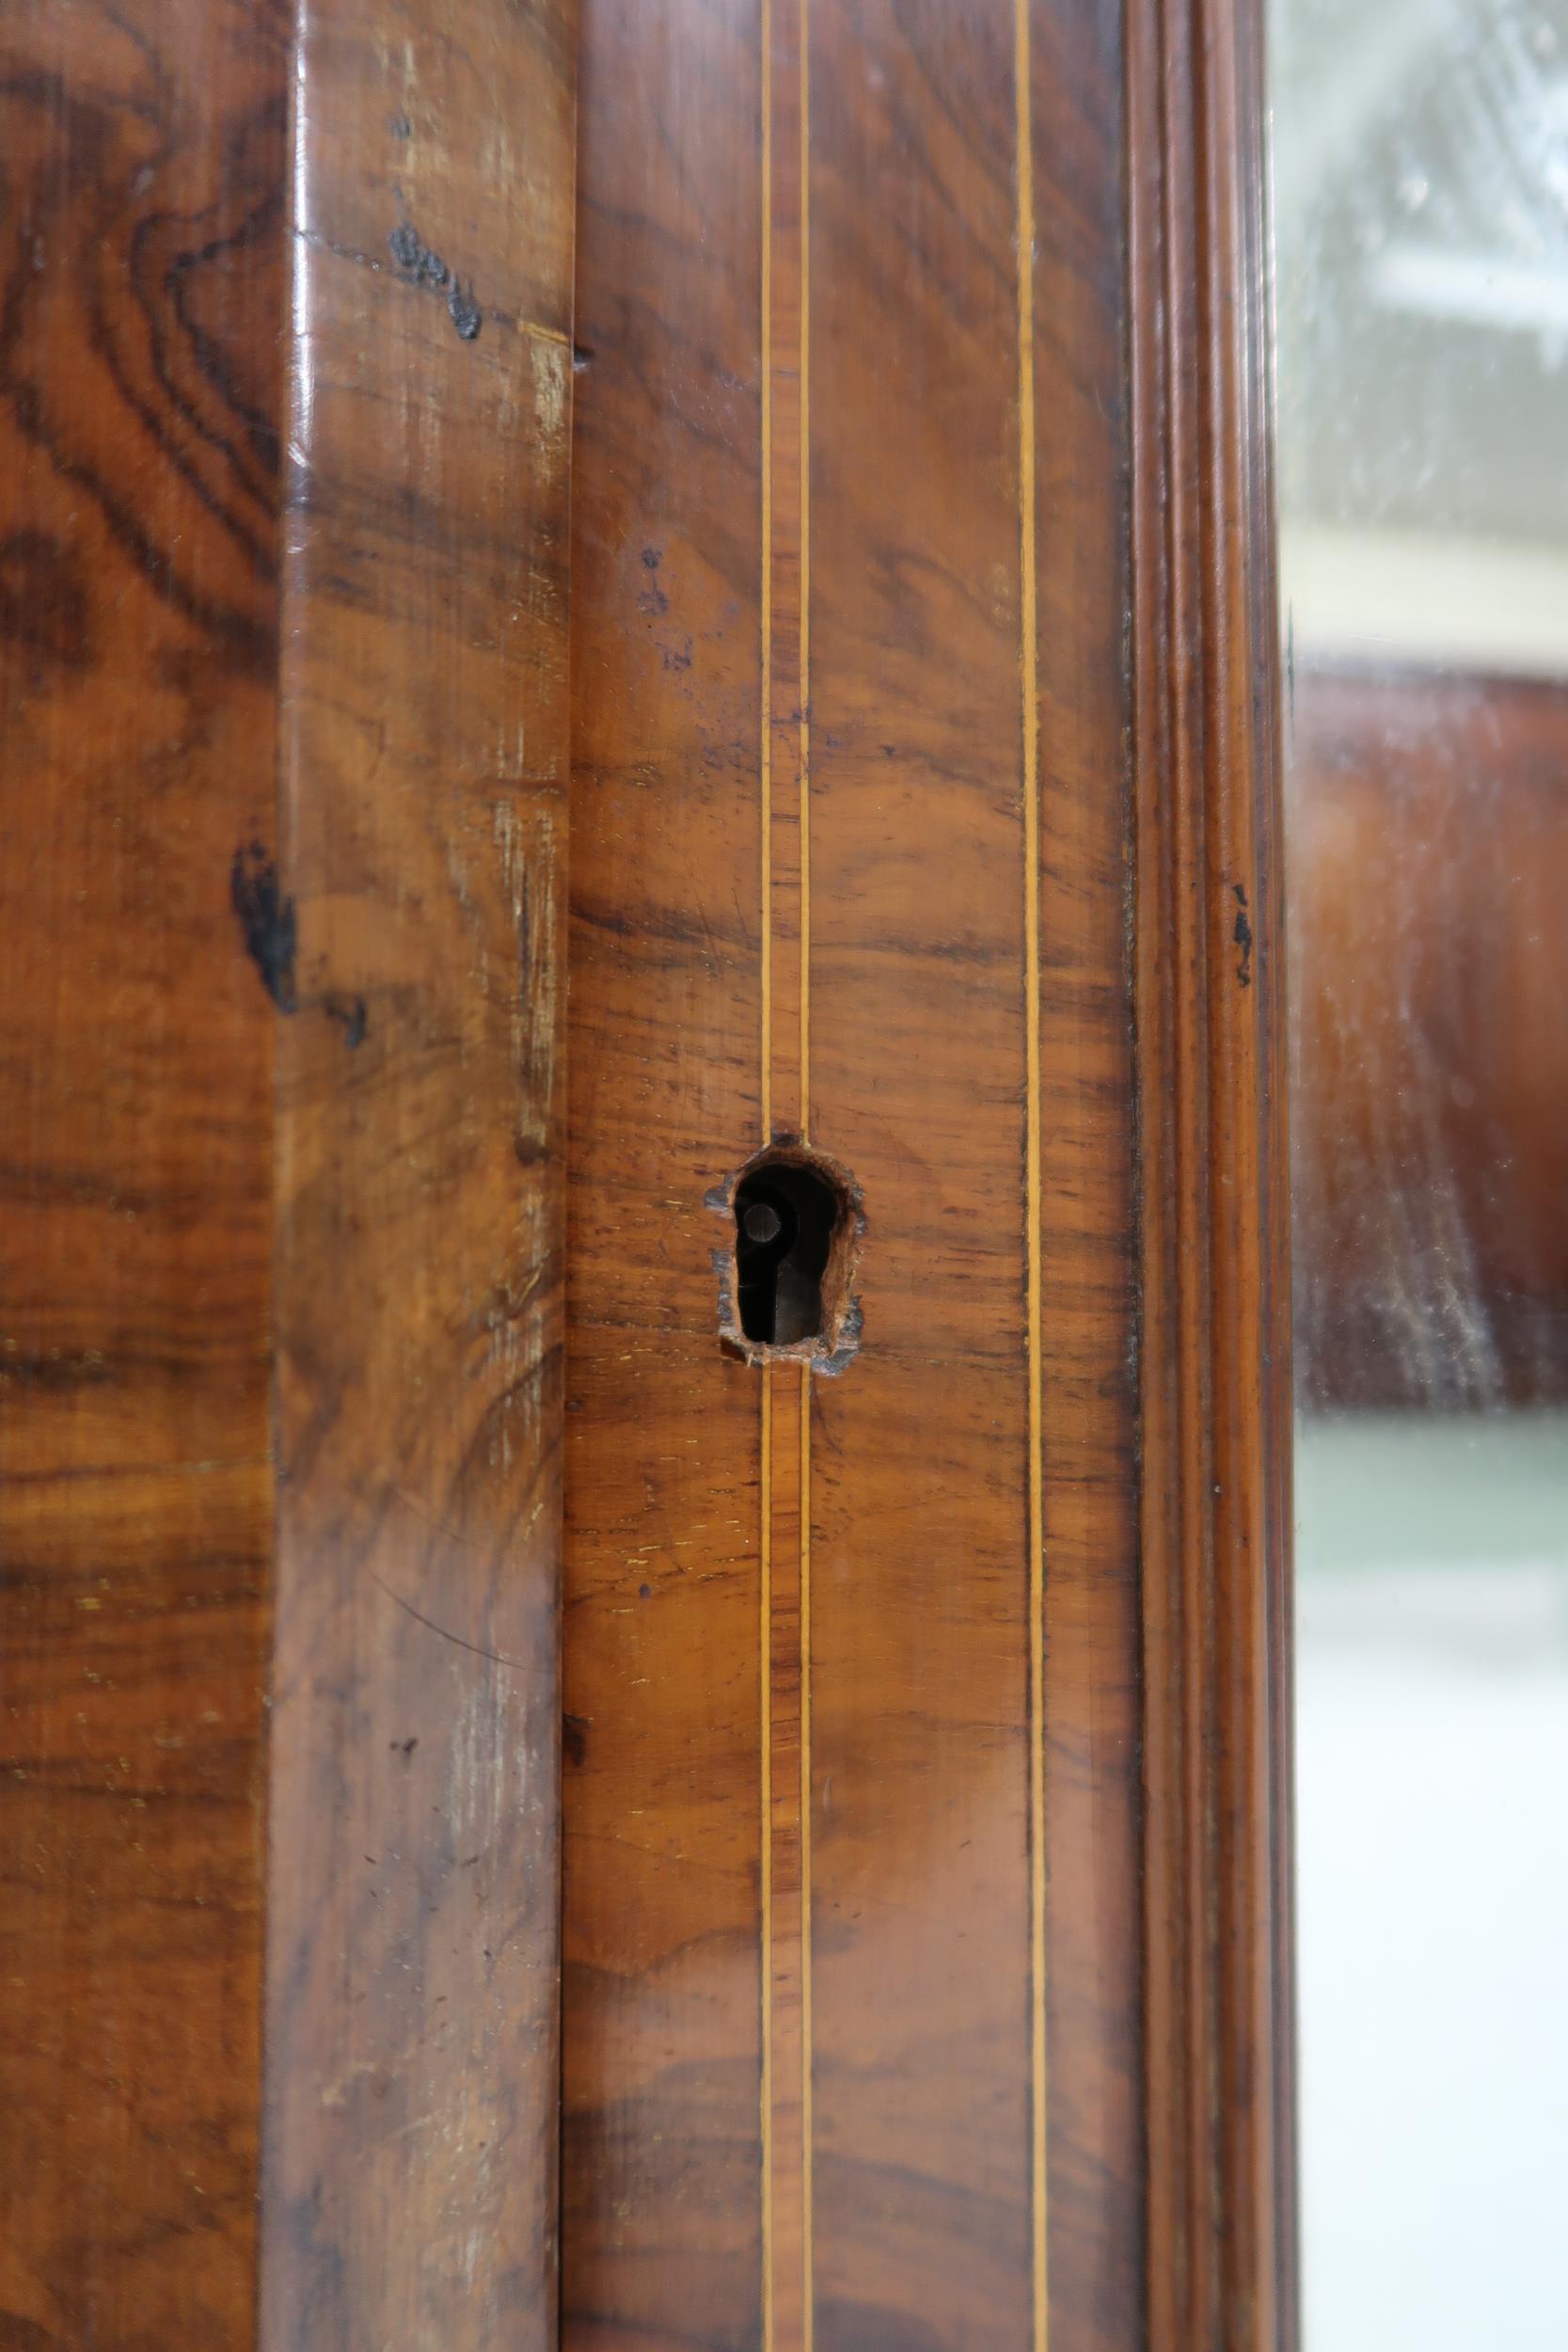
927	1917
662	2212
410	2159
1214	1293
142	152
851	2027
283	871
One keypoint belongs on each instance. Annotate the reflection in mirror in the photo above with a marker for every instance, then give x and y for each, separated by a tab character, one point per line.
1421	216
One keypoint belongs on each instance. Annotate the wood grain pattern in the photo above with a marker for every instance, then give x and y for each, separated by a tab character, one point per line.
811	1767
1215	1363
661	1987
409	2160
926	1975
928	2203
1090	1183
1429	856
787	1689
384	953
141	148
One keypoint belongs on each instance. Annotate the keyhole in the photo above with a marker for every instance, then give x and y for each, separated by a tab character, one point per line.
785	1215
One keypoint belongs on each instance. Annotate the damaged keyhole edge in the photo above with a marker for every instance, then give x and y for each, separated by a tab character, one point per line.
830	1349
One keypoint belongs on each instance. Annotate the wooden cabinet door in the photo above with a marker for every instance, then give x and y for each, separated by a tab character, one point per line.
643	1470
919	1933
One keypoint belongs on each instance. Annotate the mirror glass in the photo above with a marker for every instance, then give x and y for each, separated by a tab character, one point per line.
1420	161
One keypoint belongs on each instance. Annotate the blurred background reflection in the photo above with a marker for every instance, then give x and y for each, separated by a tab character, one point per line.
1421	219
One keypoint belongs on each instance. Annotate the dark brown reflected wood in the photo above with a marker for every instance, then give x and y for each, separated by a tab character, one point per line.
1430	1112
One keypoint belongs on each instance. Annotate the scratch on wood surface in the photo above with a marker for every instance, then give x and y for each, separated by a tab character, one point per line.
474	1648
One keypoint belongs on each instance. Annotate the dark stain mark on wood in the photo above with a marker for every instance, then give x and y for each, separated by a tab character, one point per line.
269	929
354	1015
420	266
414	258
574	1738
652	599
464	311
1242	935
267	923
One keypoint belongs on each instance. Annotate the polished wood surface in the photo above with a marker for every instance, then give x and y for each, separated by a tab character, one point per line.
661	2191
1429	863
283	867
1094	1965
851	1937
924	1916
1215	1337
142	157
409	2166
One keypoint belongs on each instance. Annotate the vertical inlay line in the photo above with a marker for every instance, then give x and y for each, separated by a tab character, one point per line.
765	1543
805	567
808	2329
1028	655
766	762
766	1853
808	2299
785	1859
